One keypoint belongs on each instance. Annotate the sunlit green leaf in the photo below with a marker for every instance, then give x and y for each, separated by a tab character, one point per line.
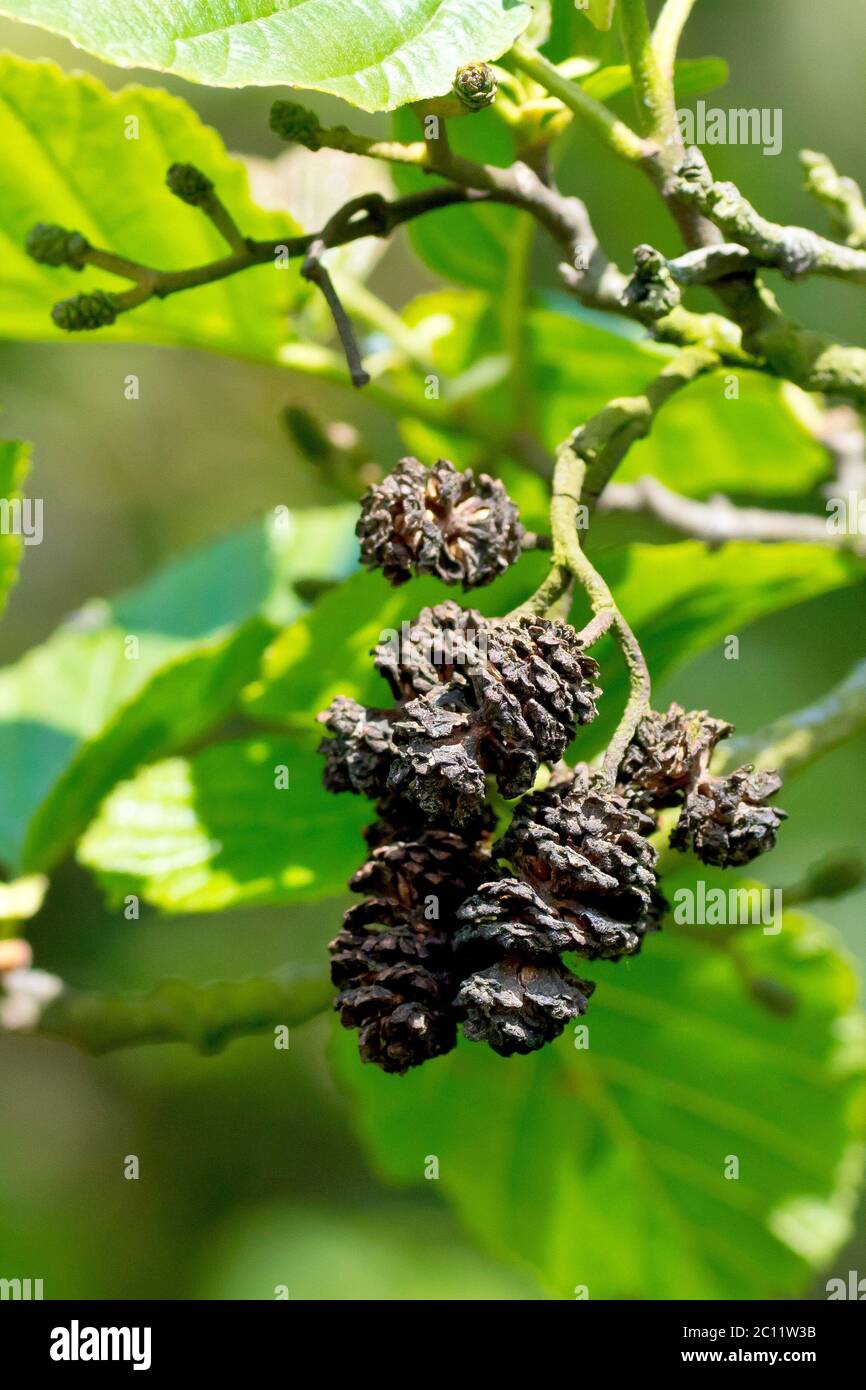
598	12
595	1159
65	691
95	161
184	700
245	821
376	57
691	77
328	652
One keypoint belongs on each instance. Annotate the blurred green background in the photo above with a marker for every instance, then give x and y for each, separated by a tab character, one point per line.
250	1175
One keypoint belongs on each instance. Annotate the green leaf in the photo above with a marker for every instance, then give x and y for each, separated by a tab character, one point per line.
593	1160
184	700
374	56
210	832
691	77
58	694
65	691
14	464
598	12
95	161
702	442
257	568
390	1252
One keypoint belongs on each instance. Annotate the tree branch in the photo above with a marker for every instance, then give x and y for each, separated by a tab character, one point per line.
207	1016
314	270
840	194
668	32
795	251
718	521
554	596
604	440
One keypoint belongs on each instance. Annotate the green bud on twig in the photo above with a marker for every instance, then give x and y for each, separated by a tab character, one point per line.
297	124
52	245
476	86
307	434
189	184
833	877
773	995
85	311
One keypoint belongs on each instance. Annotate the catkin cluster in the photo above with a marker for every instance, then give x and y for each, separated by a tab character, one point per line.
461	926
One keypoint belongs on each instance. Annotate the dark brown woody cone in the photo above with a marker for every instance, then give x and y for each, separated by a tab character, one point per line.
462	528
393	962
725	820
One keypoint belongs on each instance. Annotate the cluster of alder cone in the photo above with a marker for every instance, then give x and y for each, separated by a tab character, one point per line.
457	925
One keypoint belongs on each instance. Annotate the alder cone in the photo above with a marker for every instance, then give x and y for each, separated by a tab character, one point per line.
52	245
725	820
515	704
586	854
402	1012
476	85
438	521
85	312
403	872
189	184
517	1006
358	754
431	650
393	962
668	753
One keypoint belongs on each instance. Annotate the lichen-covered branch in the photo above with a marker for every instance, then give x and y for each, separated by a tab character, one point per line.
757	334
796	740
795	251
570	562
207	1016
604	440
840	194
719	520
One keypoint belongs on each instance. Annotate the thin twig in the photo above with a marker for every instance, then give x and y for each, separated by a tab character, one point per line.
719	521
314	270
570	560
668	32
839	193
